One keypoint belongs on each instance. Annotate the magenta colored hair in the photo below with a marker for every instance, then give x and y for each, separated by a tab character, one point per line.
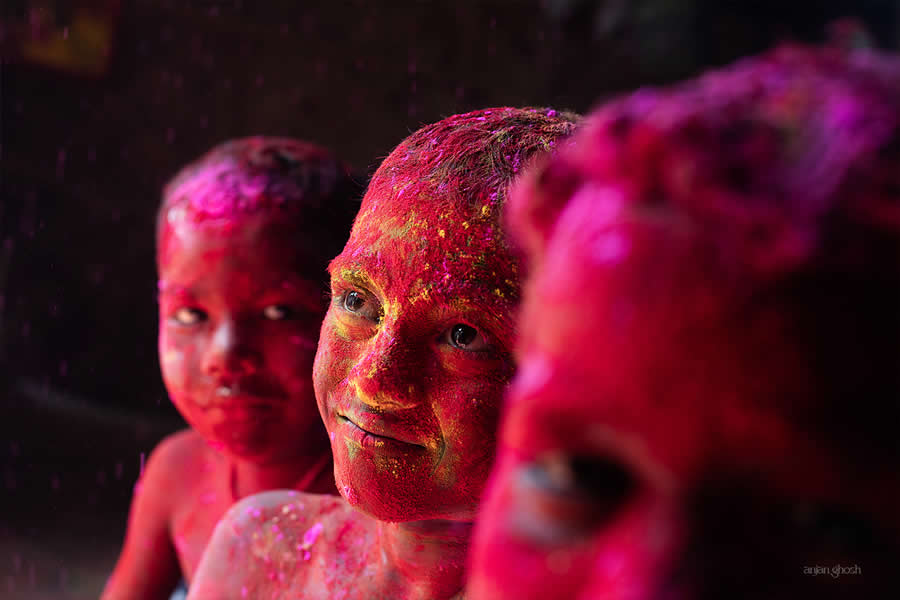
472	156
278	175
785	170
765	155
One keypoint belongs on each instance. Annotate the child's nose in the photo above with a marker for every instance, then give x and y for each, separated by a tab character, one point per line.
232	351
390	373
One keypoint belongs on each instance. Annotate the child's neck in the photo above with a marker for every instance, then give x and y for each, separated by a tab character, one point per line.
424	559
298	471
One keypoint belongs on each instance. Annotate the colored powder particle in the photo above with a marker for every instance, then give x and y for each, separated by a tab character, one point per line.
350	494
309	538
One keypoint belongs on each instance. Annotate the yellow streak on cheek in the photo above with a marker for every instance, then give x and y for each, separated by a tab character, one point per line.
338	328
360	393
352	448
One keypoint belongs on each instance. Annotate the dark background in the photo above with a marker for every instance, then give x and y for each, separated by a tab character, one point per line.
83	158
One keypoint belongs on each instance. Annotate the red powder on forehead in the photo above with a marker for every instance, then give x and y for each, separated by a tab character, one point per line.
470	158
443	188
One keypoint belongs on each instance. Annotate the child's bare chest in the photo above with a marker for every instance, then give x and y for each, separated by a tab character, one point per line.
195	518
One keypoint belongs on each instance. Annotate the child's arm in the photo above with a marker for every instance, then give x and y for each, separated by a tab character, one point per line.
148	568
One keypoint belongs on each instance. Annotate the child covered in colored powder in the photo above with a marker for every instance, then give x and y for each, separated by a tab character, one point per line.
412	361
244	235
706	404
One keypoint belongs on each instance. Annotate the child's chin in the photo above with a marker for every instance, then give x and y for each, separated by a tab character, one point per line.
384	500
255	449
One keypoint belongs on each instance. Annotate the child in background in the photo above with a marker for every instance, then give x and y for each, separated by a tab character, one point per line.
412	362
244	235
706	405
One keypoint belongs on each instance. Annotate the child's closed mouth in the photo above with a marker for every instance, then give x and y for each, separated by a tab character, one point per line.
375	428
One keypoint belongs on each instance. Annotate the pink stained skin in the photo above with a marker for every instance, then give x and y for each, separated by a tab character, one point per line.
700	413
240	308
412	361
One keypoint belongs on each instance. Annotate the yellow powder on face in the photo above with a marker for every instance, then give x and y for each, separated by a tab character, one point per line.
392	466
340	329
423	295
352	448
373	370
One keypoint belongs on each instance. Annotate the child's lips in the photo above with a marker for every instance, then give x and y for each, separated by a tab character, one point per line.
243	406
242	410
372	425
376	442
402	430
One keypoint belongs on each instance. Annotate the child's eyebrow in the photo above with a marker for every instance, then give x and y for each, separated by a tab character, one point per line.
350	272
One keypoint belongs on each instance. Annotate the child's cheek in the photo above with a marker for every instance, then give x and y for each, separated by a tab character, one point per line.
333	360
173	360
469	413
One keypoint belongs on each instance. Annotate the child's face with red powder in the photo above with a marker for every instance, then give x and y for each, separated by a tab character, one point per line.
413	357
237	332
657	446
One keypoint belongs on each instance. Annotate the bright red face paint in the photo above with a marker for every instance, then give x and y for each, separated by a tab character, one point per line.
237	336
414	351
707	355
414	355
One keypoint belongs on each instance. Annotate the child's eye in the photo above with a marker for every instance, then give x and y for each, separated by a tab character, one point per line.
466	337
359	304
189	316
277	312
561	497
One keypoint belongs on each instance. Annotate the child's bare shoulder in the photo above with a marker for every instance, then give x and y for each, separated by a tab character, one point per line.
293	519
176	463
182	446
282	541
